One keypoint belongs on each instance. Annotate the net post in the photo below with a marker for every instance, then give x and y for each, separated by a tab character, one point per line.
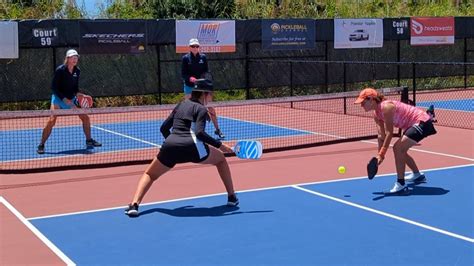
403	99
404	96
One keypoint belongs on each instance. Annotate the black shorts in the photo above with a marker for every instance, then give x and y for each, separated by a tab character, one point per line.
420	131
170	155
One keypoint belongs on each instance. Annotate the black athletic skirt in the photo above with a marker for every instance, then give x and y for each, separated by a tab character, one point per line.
170	154
420	131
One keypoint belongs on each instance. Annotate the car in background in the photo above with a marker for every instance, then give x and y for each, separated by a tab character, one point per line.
359	35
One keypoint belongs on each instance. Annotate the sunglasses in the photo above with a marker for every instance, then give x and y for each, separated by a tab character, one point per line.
194	46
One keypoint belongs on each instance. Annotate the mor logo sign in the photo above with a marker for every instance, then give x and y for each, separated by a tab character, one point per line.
45	36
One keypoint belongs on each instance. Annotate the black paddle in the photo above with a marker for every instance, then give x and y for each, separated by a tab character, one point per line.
372	168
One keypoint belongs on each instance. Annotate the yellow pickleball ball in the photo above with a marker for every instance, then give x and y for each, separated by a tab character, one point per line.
341	170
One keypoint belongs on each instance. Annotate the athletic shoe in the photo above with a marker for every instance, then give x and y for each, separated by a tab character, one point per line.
219	133
415	178
132	210
40	149
232	201
92	143
396	188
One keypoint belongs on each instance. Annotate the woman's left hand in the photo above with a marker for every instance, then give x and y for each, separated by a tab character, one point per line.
226	149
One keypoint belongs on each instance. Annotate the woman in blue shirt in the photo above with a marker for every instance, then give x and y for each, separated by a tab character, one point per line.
65	87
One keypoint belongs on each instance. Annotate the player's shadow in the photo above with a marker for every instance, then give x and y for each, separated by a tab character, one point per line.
73	152
191	211
414	190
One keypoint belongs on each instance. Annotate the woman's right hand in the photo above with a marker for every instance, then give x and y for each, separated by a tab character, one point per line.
379	159
226	149
68	102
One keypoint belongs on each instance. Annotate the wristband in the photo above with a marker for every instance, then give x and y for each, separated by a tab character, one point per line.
382	152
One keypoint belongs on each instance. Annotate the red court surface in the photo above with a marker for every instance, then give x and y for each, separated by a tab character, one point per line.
42	194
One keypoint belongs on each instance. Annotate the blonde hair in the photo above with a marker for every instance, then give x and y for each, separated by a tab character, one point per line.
65	60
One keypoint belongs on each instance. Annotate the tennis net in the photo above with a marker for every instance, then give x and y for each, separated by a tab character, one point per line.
132	134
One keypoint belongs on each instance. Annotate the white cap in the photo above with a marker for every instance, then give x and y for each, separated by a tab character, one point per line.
71	52
193	42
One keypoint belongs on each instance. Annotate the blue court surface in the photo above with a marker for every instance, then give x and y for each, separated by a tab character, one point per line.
466	105
343	222
67	141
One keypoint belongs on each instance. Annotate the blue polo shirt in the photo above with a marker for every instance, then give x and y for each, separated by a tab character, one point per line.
65	84
193	66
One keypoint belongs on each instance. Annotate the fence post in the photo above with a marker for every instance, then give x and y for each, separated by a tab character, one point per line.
414	82
159	72
326	65
344	86
247	72
398	64
465	61
54	60
291	81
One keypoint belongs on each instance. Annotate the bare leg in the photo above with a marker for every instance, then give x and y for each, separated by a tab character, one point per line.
218	159
86	126
49	126
152	173
400	149
48	129
411	164
213	115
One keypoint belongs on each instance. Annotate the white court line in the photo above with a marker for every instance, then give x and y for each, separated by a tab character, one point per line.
36	232
242	191
126	136
441	231
76	155
430	152
287	128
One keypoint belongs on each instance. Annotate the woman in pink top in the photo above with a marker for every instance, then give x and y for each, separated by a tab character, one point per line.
415	123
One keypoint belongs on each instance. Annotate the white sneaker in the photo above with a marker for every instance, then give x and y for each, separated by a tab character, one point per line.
415	177
396	188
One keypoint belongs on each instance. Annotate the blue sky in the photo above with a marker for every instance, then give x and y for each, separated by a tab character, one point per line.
91	6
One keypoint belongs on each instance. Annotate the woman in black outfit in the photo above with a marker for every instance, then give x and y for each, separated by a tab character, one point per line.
187	142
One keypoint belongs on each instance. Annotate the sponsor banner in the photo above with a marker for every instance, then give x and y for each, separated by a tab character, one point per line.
9	40
112	37
44	33
45	36
358	33
432	31
215	36
396	28
288	34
